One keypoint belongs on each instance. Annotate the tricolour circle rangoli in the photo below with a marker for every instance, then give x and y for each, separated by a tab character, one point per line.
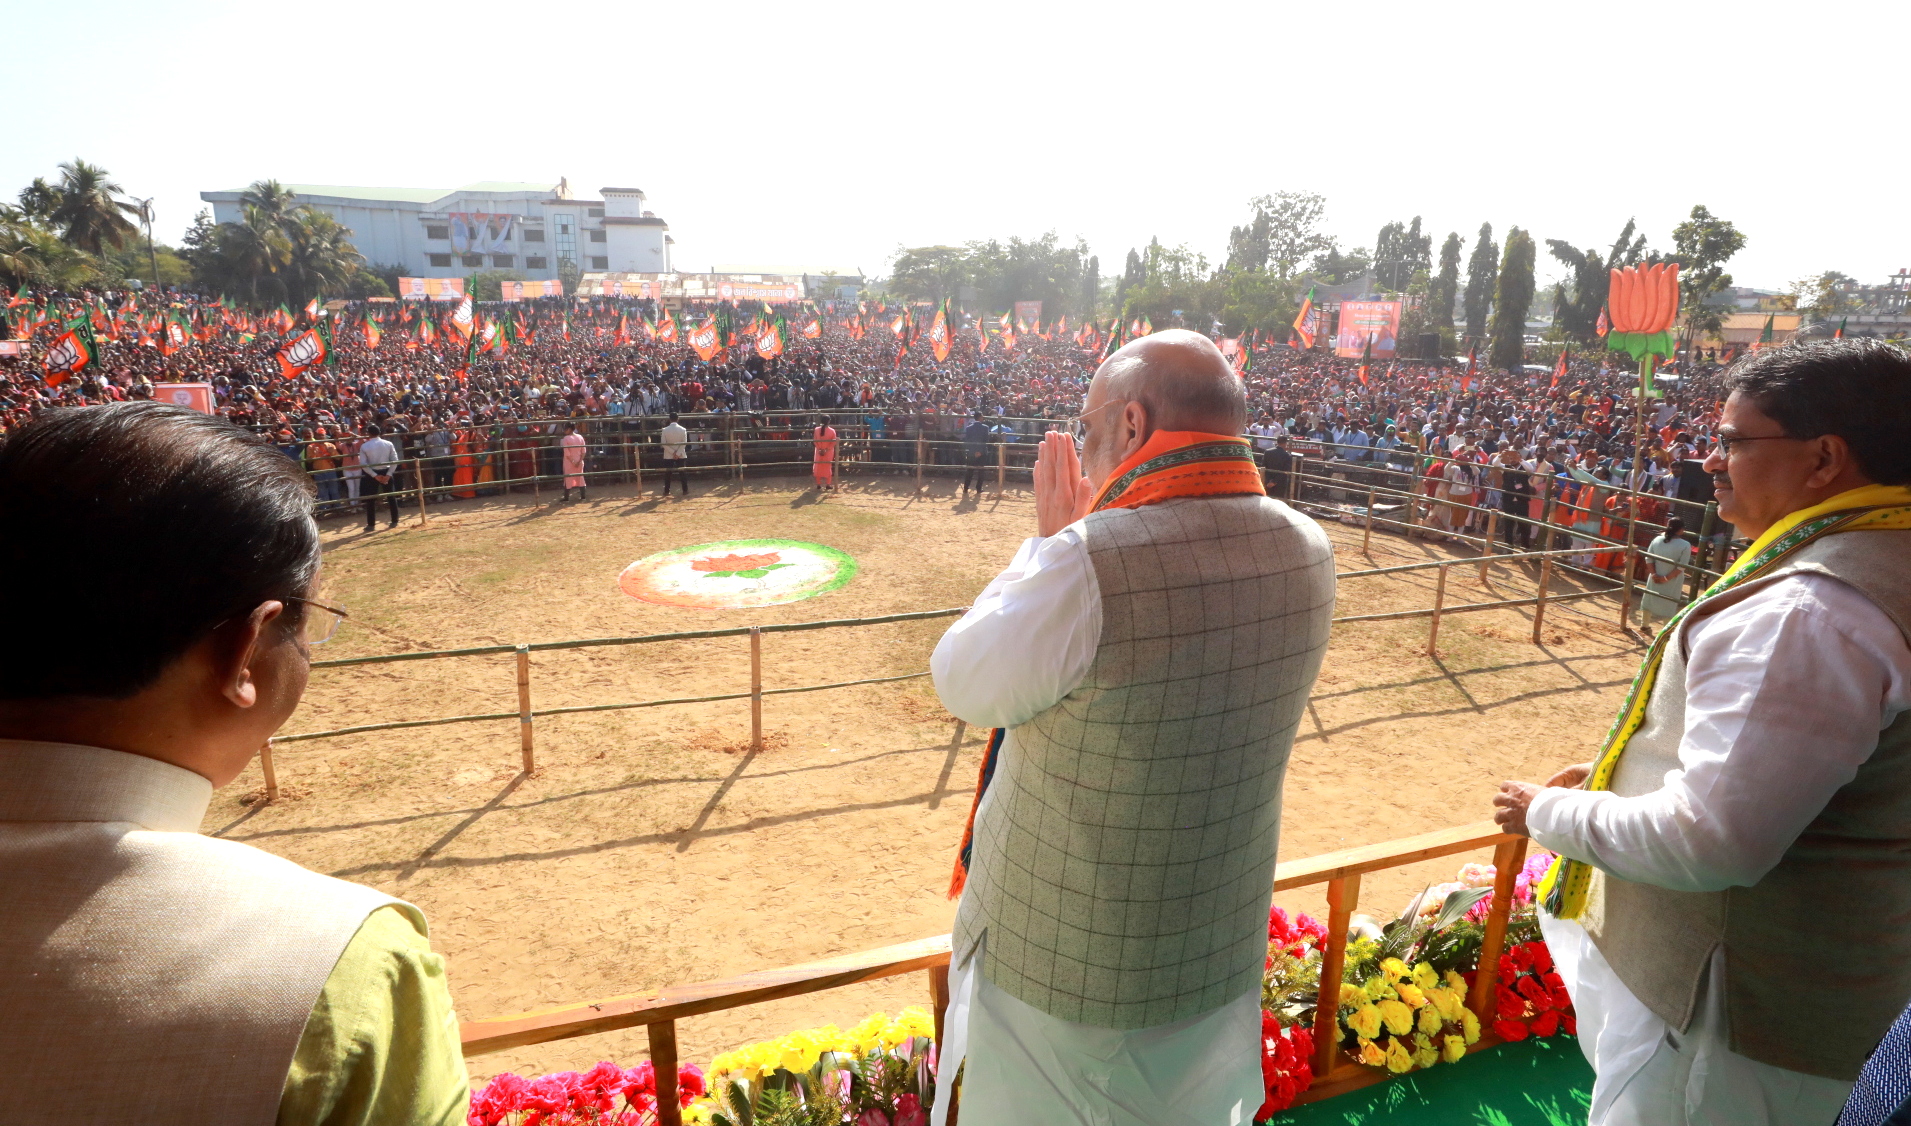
736	574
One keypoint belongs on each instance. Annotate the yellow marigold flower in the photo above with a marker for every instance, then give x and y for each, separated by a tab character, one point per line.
1365	1022
1410	994
1453	1049
1395	968
1448	1002
1455	982
1351	994
1399	1018
1471	1024
916	1021
1424	976
1398	1059
1376	987
1429	1020
1370	1054
1424	1053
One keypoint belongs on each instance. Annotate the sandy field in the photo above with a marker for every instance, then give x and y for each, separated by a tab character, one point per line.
651	848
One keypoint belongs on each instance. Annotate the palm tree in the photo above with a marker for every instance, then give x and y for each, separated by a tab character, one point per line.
273	199
33	255
39	200
320	255
252	253
90	213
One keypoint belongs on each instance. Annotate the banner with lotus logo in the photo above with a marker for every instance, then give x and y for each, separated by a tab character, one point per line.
735	574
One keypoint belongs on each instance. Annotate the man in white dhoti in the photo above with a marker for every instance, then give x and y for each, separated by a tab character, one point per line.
1730	916
1146	659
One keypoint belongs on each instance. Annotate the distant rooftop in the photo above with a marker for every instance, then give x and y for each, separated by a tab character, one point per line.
785	270
409	195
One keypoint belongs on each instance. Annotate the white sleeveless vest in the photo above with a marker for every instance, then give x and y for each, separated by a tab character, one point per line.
149	974
1124	861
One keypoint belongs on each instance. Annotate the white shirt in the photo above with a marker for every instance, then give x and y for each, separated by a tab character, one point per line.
674	437
1026	643
378	456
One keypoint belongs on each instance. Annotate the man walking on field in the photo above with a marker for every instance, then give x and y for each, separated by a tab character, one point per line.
1729	913
1145	660
823	460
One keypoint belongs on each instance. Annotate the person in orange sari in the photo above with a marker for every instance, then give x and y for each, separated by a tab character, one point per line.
823	456
461	447
485	452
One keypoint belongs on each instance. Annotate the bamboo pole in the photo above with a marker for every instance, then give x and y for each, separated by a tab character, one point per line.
756	689
524	708
1001	469
418	469
1439	601
1342	895
1625	594
1367	537
939	997
1486	550
1539	605
271	775
1508	857
922	443
1294	472
663	1062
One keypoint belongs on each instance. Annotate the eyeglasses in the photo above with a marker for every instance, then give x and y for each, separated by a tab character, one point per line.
1726	443
320	621
1077	427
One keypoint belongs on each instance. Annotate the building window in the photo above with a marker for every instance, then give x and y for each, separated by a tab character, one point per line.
595	212
505	260
566	226
438	232
599	262
474	259
597	236
534	262
440	261
533	235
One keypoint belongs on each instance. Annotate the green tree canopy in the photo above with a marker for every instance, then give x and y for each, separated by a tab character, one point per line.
1479	282
1512	297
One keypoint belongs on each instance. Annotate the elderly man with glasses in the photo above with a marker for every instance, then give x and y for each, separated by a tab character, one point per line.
1730	905
148	973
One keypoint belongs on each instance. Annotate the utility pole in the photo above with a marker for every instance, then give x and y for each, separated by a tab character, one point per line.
152	256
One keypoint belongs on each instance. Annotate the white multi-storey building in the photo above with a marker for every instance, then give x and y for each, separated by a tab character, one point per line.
534	229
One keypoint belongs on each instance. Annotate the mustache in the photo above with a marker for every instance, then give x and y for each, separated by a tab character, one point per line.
1721	480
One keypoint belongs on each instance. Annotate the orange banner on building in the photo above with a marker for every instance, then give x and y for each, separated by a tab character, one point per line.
1362	321
756	291
528	290
431	289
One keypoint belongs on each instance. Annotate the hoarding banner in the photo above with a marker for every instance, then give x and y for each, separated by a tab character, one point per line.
1028	313
527	290
1361	320
431	289
198	396
754	291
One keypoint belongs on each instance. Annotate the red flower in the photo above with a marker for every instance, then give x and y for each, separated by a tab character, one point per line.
1546	1024
1538	956
723	564
1569	1024
1540	997
909	1111
872	1117
690	1083
1510	1029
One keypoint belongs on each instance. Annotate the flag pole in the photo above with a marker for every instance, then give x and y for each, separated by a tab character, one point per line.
1633	483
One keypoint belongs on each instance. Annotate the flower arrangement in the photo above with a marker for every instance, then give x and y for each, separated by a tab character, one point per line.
1287	1063
1403	1018
1289	984
882	1072
606	1095
1532	1000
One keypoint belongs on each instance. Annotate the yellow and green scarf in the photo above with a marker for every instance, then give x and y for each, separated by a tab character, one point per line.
1869	508
1169	465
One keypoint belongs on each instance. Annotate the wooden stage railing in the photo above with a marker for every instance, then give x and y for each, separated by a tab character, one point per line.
1340	871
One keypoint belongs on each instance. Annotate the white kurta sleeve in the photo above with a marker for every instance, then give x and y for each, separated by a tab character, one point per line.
1028	640
1786	693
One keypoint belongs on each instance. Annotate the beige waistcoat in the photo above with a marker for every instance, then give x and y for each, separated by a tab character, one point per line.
1818	952
149	974
1124	860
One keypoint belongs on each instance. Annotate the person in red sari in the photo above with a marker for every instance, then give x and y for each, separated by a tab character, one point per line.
823	455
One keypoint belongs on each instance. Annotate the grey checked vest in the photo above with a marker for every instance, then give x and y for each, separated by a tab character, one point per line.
1818	953
1124	856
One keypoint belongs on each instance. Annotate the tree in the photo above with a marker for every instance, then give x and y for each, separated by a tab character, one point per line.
1446	285
1702	245
320	257
929	273
1289	223
1511	299
1479	283
1247	246
280	250
39	200
1824	296
90	214
1091	286
32	255
1400	252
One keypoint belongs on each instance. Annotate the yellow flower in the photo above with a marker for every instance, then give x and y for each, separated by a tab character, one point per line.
1410	994
1424	1053
1398	1061
1448	1002
1429	1020
1370	1053
1453	1049
1399	1018
1471	1024
1455	982
1376	987
1351	994
1395	968
1365	1021
1425	976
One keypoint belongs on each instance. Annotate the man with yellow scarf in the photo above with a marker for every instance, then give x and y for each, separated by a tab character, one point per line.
1732	906
1145	660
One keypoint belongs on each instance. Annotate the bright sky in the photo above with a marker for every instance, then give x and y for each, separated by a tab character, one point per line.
792	134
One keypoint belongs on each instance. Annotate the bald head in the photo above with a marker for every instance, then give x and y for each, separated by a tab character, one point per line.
1181	378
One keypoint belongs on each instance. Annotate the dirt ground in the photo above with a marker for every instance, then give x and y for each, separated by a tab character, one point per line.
650	848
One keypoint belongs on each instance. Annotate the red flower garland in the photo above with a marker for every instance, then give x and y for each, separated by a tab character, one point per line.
1532	1000
1287	1064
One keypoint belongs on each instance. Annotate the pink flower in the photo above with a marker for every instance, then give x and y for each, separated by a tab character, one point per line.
640	1080
909	1111
689	1083
872	1117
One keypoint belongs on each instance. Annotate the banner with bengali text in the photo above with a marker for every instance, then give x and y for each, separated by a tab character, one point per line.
1364	320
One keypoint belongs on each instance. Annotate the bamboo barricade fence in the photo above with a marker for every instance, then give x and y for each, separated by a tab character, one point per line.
527	715
1333	1073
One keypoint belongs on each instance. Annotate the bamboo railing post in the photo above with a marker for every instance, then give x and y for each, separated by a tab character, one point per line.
537	465
271	775
756	689
1001	469
1539	606
1507	860
1487	549
1294	478
1342	895
1439	602
1367	537
663	1062
418	468
939	997
1625	594
922	443
524	708
637	463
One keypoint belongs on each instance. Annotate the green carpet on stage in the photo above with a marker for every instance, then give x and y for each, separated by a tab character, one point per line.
1531	1083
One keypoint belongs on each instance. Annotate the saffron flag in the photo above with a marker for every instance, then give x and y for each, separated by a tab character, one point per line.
301	352
1472	362
667	330
940	337
623	331
1840	333
1559	369
1605	323
1307	322
372	335
1366	359
704	340
312	310
769	342
814	329
67	356
461	321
